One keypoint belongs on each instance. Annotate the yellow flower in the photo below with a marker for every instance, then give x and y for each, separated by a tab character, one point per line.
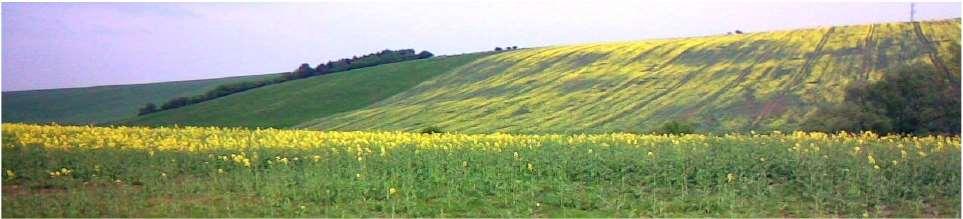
392	191
730	177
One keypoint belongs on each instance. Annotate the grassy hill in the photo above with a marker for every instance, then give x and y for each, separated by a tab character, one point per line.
756	81
102	103
293	102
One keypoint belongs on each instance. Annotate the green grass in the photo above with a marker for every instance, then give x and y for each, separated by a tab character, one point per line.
102	103
755	81
290	103
187	172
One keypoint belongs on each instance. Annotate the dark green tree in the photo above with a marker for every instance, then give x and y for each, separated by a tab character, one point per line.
147	109
916	99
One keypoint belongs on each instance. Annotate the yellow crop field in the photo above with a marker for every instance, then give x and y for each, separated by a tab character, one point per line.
80	171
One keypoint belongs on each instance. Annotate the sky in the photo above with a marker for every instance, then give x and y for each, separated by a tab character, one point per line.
59	45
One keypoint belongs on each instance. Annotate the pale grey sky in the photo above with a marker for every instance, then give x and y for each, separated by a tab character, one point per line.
56	45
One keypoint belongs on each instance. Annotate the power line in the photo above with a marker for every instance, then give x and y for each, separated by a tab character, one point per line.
912	12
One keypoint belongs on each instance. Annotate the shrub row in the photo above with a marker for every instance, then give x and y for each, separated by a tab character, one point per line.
303	71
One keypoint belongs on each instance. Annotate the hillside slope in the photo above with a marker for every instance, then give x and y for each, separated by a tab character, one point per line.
102	103
757	81
293	102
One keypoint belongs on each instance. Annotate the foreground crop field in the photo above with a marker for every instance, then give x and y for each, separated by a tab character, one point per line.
72	171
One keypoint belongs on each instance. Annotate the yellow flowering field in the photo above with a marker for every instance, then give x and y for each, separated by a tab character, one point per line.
84	171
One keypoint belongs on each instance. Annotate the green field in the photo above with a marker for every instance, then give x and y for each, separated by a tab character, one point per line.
290	103
69	171
102	103
756	81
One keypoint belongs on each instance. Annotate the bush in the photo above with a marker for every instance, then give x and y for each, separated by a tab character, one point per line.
676	128
147	109
917	99
431	130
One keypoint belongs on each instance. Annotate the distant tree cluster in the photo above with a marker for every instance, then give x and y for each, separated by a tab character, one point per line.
506	48
913	100
147	109
373	59
303	71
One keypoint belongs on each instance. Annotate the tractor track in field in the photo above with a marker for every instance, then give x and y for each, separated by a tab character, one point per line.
806	69
869	45
932	53
778	101
611	99
729	86
636	107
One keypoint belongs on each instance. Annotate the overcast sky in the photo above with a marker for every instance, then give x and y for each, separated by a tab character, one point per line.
56	45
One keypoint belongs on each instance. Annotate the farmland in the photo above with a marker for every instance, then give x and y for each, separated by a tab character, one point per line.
760	81
83	171
724	83
101	104
290	103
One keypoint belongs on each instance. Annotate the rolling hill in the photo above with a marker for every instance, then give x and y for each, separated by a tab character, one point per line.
101	103
293	102
757	81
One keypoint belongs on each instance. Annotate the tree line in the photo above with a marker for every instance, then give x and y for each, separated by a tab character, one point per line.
303	71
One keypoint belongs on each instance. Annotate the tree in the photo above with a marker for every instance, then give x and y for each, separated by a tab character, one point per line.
302	71
498	48
676	128
738	32
147	109
915	99
175	103
425	55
